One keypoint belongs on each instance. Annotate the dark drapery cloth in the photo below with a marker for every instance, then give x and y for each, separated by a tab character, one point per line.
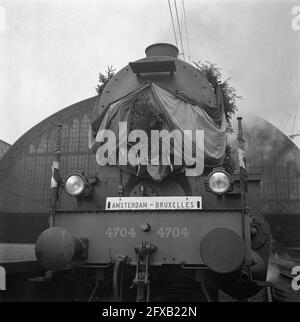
179	113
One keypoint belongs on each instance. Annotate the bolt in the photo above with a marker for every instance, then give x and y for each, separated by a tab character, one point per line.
145	227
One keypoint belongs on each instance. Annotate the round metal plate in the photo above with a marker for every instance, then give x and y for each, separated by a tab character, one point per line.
55	248
222	250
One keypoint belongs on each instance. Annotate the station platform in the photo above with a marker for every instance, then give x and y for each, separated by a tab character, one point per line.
18	258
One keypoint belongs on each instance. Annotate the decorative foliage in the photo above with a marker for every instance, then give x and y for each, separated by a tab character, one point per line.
229	161
104	79
144	115
230	97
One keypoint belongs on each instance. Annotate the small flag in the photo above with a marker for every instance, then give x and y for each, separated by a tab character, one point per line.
242	158
55	184
55	178
243	169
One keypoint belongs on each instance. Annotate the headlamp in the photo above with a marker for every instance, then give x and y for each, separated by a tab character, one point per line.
75	184
218	181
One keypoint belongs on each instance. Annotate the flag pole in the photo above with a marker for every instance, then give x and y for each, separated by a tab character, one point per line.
242	162
55	177
243	173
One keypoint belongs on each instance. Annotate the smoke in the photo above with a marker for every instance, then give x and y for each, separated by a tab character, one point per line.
266	144
273	273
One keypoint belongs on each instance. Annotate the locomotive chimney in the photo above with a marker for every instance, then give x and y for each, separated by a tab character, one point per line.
162	49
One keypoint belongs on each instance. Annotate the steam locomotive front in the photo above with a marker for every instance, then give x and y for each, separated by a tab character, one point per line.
159	130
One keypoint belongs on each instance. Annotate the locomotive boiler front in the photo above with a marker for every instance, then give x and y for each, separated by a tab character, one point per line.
162	96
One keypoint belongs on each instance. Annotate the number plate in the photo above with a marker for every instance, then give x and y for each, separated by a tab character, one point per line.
162	232
153	203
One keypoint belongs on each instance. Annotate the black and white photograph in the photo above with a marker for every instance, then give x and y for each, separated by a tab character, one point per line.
149	153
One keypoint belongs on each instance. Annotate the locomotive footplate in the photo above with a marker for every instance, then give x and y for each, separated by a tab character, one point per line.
181	238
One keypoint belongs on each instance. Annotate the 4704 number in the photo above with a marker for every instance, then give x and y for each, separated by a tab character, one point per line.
162	232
